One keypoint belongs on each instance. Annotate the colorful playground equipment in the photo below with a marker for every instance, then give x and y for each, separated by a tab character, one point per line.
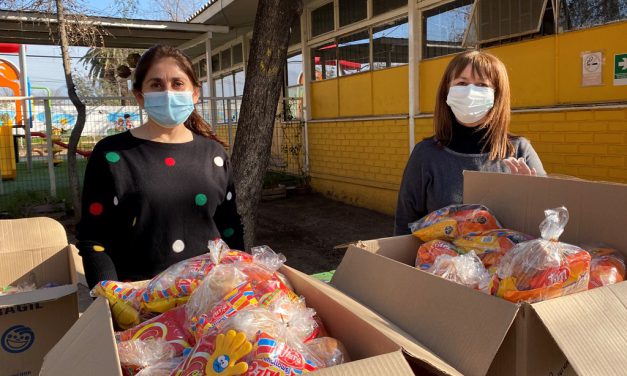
9	78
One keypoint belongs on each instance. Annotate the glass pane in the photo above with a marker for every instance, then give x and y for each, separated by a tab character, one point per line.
579	14
324	62
382	6
225	59
215	62
228	86
218	87
499	19
390	43
354	53
295	70
352	11
239	83
445	27
237	54
295	32
202	68
322	20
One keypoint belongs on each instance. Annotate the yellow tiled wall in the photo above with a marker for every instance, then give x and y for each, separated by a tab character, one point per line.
359	162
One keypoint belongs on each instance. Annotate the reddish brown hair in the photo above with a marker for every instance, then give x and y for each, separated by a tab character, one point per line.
485	66
194	122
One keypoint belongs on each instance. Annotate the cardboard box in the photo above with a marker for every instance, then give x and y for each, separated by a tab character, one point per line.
31	323
89	346
478	334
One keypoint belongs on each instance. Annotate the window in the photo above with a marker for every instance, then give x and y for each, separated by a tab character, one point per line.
354	53
382	6
322	20
352	11
225	59
219	111
503	19
390	43
324	61
215	62
579	14
239	83
295	32
445	27
237	54
202	68
294	70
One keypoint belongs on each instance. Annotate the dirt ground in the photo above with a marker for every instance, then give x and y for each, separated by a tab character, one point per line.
305	228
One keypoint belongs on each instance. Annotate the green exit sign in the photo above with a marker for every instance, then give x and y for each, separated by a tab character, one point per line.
620	69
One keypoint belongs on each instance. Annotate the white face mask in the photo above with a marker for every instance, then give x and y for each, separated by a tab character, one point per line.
470	103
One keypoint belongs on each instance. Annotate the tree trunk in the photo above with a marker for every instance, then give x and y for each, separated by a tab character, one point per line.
264	77
75	189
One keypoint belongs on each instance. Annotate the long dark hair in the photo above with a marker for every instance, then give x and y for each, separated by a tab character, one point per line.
194	122
487	66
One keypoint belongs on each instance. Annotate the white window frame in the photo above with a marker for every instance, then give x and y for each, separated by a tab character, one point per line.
350	28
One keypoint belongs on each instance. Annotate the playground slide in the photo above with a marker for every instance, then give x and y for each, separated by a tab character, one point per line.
84	153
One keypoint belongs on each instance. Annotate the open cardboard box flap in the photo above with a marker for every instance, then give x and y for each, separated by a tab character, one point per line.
30	233
86	349
590	328
438	320
391	331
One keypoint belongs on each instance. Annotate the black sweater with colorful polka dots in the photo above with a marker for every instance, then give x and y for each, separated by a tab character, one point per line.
147	205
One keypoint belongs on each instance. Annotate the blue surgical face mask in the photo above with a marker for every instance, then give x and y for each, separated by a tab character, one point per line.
169	108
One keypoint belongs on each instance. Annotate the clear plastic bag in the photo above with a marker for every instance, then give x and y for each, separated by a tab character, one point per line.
454	221
429	251
161	368
490	245
137	354
26	285
170	326
330	351
544	268
607	266
173	286
466	269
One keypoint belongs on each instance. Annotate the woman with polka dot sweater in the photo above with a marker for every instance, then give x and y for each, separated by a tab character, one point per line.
157	194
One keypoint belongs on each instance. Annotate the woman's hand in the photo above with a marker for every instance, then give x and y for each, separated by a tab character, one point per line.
519	167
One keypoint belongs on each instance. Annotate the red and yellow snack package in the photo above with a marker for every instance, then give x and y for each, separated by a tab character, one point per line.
544	268
606	267
170	326
429	251
454	221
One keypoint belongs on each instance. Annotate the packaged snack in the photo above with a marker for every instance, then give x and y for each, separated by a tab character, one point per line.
123	301
606	267
454	221
490	245
137	354
429	251
465	269
544	268
240	298
170	326
281	357
217	355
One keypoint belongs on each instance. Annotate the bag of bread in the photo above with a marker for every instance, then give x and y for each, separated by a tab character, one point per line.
543	268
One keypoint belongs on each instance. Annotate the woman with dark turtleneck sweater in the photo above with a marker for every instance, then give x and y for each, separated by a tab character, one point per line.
471	124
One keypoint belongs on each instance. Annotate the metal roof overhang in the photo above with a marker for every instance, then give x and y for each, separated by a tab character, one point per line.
40	28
